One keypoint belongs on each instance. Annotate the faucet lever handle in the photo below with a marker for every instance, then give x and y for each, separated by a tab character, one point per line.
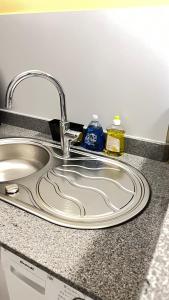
73	135
70	136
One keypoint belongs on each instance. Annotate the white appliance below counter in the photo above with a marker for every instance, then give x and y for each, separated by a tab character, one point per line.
26	281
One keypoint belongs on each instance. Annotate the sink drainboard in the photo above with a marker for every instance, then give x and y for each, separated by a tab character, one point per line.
85	191
92	197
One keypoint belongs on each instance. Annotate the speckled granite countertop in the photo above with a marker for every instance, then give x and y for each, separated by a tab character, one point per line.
126	262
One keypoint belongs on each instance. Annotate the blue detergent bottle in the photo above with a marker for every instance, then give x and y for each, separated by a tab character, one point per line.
94	138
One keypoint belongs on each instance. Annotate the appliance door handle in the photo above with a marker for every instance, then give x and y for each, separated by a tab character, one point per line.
40	289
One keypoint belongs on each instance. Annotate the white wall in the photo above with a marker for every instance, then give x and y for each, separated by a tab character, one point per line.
108	61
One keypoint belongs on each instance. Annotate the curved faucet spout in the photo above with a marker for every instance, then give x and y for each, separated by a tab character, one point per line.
36	73
66	135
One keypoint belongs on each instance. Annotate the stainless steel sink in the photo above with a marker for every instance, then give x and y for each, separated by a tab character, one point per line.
84	191
18	160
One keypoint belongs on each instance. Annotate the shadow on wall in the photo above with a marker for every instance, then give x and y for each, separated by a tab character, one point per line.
117	262
2	89
160	120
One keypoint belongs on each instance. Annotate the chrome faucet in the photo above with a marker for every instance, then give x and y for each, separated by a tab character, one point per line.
66	135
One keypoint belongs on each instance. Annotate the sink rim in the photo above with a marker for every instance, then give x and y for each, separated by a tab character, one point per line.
78	224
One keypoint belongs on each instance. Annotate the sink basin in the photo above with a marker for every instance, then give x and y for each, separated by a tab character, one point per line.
19	160
84	191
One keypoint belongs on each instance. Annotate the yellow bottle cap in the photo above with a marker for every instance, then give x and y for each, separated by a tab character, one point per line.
116	117
116	121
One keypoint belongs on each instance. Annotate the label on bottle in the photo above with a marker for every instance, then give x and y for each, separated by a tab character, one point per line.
112	144
91	139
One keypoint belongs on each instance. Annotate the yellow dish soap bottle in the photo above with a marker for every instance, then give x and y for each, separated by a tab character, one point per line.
115	138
